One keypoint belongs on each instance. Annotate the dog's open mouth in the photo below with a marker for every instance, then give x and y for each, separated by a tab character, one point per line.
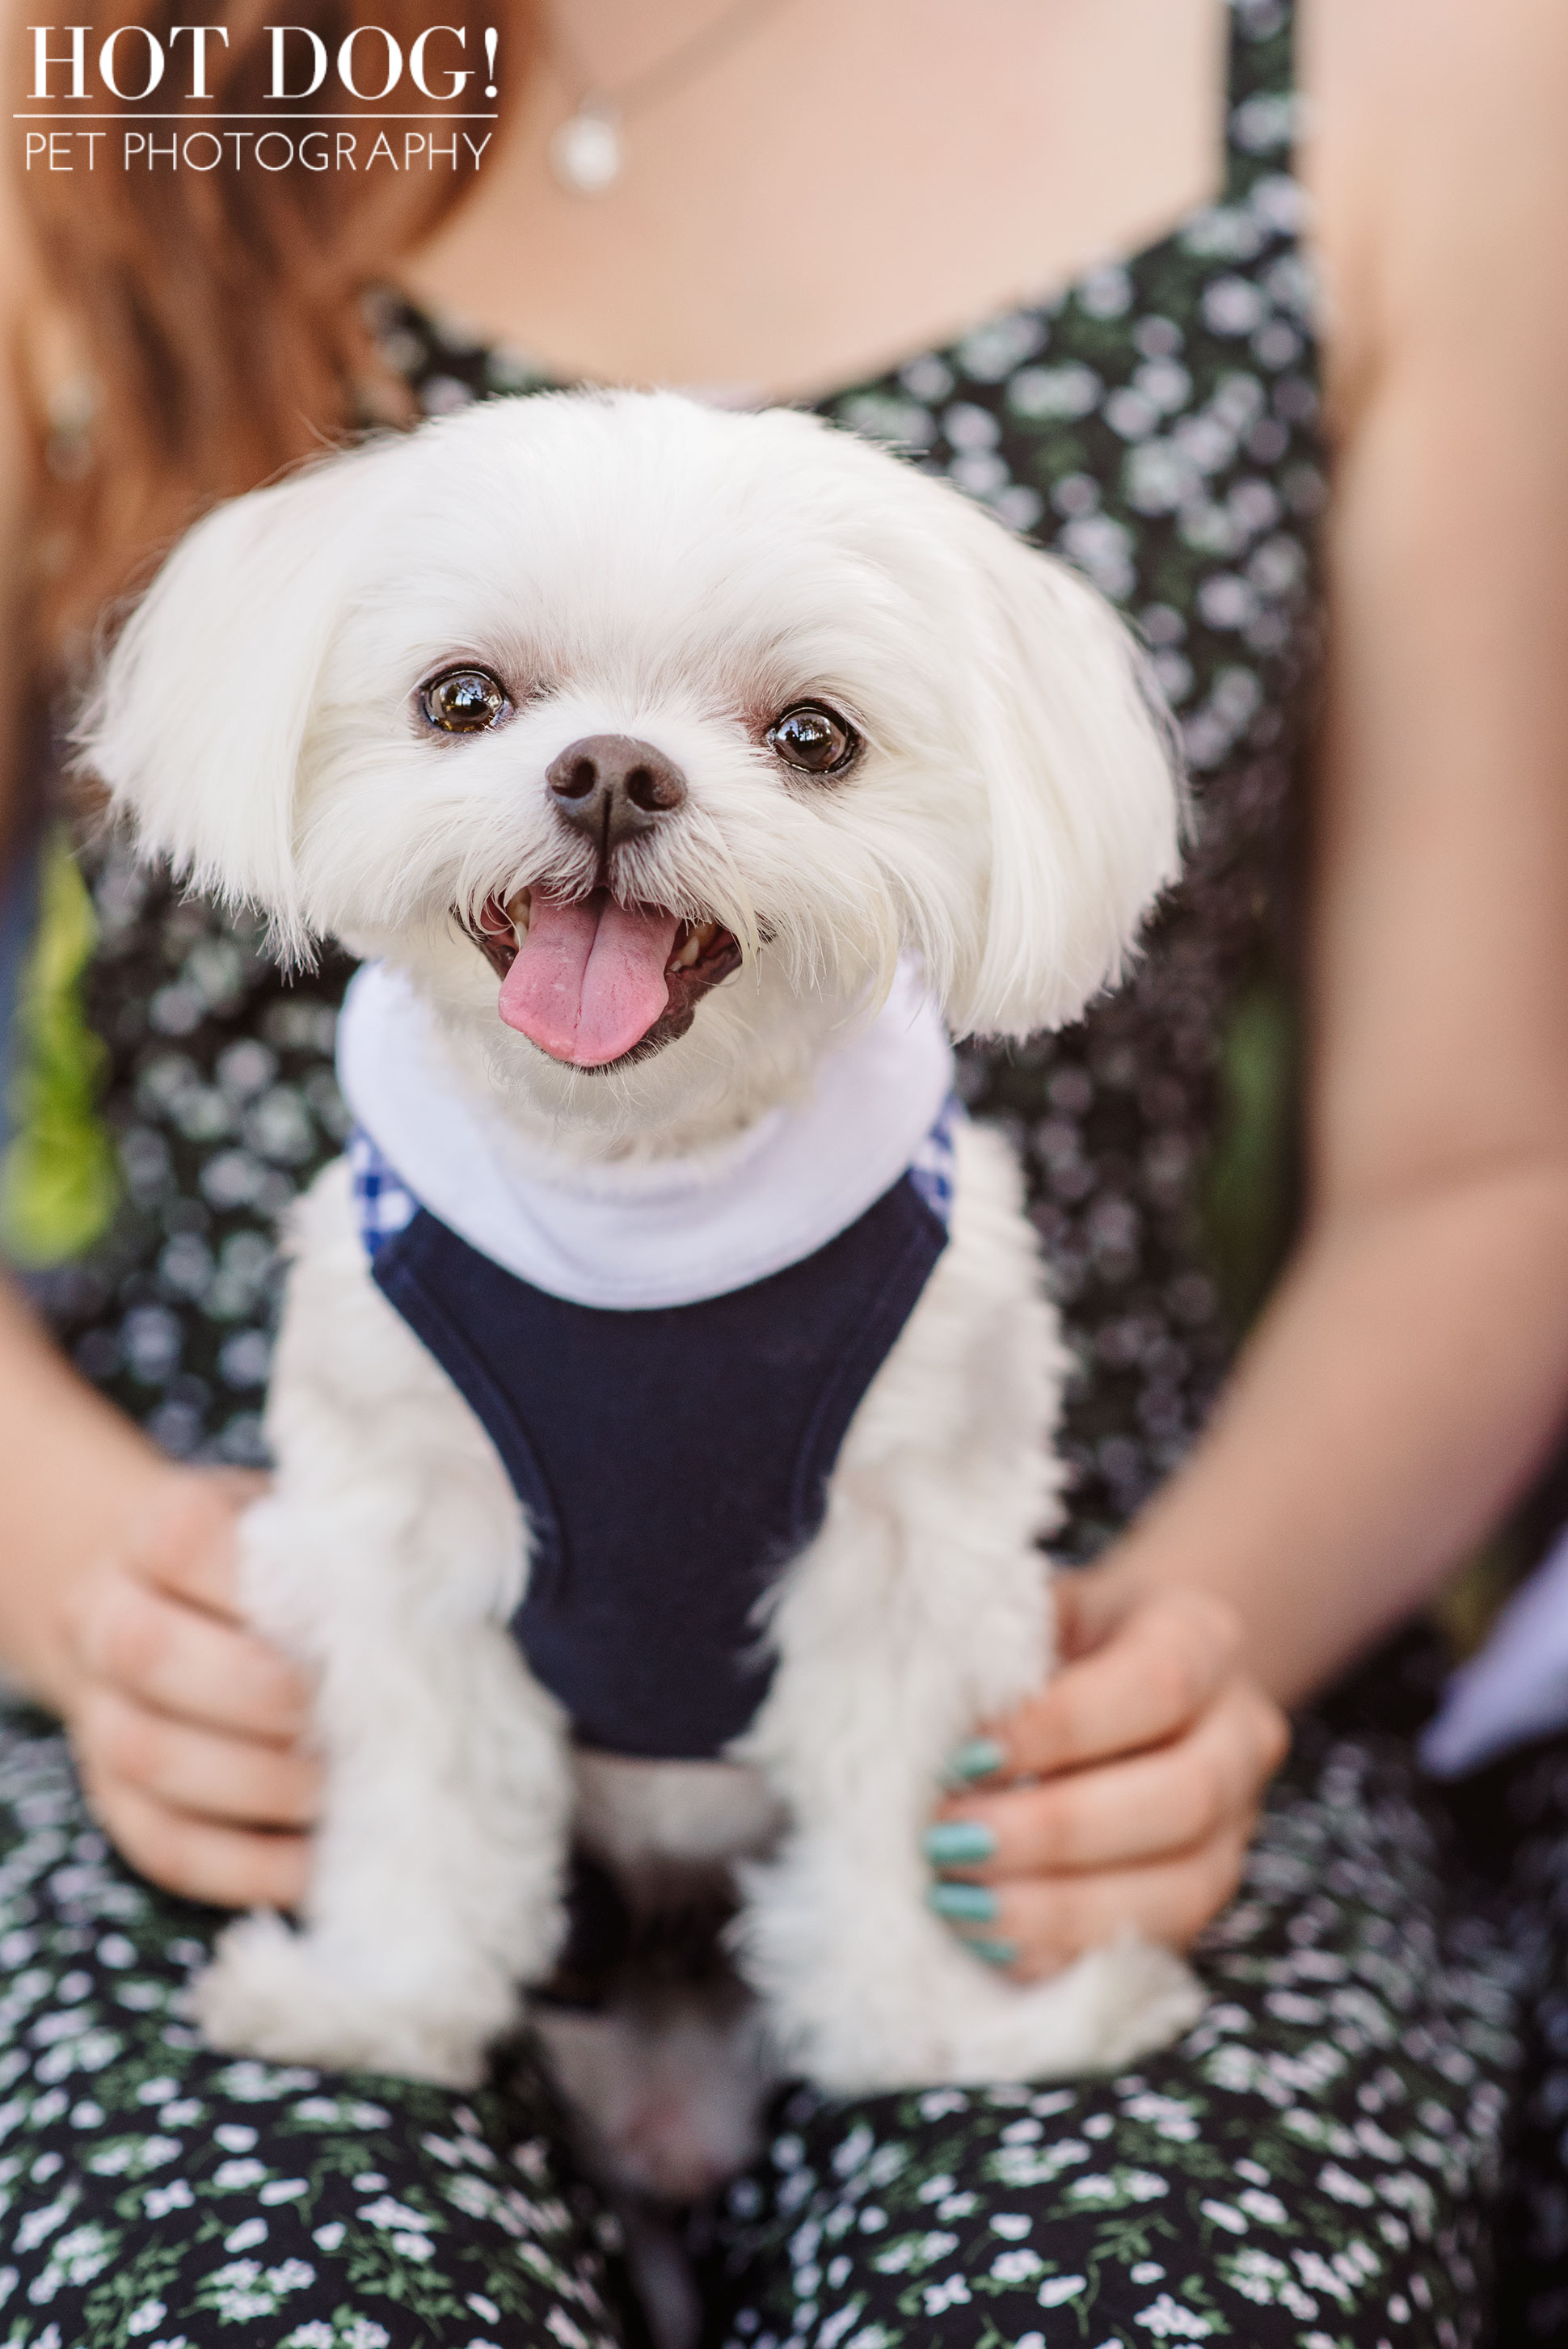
593	982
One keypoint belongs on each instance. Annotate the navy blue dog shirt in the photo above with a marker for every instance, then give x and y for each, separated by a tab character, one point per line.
670	1460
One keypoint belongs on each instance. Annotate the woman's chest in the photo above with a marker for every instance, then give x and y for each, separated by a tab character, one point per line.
838	187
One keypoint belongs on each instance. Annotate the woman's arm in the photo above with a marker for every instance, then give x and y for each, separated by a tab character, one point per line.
120	1610
1413	1367
118	1604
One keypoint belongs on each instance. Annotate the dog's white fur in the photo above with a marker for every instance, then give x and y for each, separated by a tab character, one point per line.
637	564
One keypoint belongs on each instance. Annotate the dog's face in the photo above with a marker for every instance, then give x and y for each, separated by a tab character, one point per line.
638	731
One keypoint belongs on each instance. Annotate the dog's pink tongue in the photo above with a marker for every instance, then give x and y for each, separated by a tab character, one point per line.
589	978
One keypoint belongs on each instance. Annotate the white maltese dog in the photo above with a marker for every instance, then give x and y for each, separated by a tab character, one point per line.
663	1400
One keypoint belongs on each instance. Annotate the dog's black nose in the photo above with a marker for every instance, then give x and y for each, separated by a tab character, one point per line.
613	787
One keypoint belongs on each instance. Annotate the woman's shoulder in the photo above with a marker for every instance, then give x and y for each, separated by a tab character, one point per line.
1434	151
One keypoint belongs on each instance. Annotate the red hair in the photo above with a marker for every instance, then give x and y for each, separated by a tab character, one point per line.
221	312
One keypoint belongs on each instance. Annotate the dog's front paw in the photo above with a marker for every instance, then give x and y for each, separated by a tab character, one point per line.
275	1992
1136	1996
954	2023
1098	2016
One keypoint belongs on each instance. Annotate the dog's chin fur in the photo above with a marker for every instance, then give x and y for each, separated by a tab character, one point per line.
639	565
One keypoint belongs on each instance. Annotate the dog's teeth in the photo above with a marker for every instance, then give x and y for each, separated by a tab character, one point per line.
519	906
689	952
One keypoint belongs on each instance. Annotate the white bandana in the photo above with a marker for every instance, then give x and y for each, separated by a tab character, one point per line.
674	1231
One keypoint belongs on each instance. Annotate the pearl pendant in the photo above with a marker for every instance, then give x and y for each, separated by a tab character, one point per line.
586	154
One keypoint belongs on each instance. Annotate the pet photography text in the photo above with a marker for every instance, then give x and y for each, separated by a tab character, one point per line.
138	100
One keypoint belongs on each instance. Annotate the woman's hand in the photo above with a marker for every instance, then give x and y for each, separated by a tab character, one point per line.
186	1727
1123	1795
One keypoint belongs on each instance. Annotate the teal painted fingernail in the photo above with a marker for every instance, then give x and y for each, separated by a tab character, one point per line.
953	1843
977	1757
995	1953
970	1904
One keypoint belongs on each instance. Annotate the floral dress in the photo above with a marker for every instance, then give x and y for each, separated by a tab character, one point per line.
1317	2164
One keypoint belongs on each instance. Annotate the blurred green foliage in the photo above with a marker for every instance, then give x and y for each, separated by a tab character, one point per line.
1248	1195
59	1179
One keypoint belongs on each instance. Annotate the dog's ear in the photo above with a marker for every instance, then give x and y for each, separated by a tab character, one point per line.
1078	763
199	711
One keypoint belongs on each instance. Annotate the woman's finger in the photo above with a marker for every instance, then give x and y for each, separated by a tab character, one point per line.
1125	1811
1032	1925
244	1780
183	1662
186	1544
231	1868
1157	1669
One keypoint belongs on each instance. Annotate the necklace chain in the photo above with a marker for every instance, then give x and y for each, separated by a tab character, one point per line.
586	154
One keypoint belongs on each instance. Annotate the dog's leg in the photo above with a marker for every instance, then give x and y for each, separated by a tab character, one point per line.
388	1559
921	1608
865	1988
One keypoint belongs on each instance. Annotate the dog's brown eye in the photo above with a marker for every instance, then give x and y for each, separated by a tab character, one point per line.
813	738
464	701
